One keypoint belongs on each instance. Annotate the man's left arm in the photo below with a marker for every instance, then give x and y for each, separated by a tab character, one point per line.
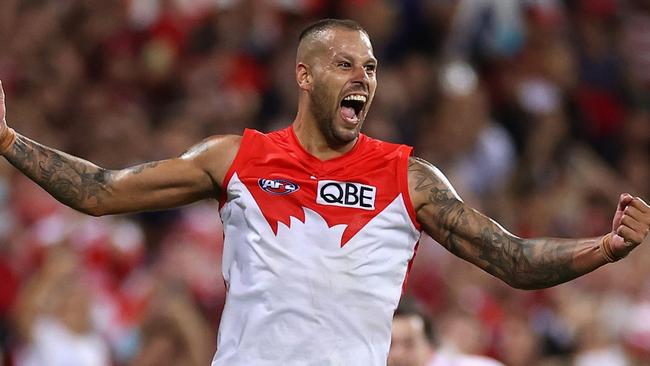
522	263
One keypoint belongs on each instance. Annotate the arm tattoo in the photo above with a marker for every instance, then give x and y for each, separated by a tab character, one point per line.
140	168
527	263
522	263
72	181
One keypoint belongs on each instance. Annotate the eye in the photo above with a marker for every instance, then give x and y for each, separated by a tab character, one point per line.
344	65
370	69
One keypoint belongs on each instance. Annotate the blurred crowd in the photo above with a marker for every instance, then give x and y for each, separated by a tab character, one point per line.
538	111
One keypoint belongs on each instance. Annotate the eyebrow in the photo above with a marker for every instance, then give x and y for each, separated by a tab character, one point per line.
349	56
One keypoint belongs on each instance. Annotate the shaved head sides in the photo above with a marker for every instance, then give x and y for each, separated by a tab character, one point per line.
311	35
327	24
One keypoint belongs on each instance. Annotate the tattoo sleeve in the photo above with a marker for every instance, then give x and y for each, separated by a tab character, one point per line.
72	181
88	188
522	263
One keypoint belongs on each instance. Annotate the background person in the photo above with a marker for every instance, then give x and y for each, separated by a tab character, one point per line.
413	342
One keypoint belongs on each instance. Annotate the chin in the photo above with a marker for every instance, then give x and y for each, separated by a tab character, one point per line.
345	136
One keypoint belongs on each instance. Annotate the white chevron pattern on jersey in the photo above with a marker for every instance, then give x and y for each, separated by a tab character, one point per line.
298	297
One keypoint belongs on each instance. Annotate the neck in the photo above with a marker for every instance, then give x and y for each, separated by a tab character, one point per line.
312	139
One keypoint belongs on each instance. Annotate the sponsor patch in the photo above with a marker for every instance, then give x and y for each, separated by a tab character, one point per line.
346	194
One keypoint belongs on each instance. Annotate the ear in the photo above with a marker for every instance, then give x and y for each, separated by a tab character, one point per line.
303	76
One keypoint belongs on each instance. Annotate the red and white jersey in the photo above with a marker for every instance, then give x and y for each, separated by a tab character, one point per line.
315	252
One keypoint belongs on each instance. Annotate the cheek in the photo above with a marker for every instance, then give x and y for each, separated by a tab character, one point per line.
329	97
373	87
322	94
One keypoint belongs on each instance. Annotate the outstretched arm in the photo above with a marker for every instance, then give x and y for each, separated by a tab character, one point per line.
91	189
522	263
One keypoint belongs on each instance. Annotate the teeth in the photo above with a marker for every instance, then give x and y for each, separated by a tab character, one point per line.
360	98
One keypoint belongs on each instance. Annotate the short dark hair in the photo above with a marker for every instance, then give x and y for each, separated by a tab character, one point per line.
409	308
326	24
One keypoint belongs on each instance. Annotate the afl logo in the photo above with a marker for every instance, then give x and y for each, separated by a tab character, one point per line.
278	186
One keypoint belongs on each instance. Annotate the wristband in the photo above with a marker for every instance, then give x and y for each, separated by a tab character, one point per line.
605	246
7	139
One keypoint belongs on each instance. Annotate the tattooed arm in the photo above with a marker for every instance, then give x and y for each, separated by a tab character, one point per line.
91	189
522	263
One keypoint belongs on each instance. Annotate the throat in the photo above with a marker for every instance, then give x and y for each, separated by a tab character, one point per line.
313	141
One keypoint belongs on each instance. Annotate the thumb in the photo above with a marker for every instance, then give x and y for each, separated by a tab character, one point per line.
623	200
621	247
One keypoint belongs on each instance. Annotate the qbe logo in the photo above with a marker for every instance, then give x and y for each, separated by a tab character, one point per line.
278	186
346	194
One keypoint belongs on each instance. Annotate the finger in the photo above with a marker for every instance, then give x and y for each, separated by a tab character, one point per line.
636	214
634	224
630	235
624	200
640	204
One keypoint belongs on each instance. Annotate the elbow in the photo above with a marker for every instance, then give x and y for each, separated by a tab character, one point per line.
94	211
523	286
515	283
527	285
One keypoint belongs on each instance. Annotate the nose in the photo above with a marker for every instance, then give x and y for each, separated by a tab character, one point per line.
361	76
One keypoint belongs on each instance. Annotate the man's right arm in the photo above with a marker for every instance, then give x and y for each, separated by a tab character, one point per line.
94	190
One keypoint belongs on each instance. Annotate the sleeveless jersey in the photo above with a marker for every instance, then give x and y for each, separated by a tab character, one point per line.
315	252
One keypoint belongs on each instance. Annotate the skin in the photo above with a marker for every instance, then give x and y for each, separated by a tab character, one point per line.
409	345
522	263
330	65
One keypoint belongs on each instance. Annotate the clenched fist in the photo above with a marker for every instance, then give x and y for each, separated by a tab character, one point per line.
630	227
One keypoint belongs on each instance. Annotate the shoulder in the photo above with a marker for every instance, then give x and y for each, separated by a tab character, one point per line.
219	147
428	185
419	167
384	147
425	180
215	154
424	175
223	149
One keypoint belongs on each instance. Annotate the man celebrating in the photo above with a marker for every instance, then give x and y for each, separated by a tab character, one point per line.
321	221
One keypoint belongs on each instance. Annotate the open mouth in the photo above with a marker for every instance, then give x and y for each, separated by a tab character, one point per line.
352	106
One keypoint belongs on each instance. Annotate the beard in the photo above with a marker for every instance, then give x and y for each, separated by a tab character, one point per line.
325	117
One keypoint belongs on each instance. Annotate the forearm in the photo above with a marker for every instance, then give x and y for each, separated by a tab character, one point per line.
533	263
72	181
551	261
522	263
88	188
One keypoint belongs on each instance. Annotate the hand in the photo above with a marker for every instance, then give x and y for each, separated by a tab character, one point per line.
631	224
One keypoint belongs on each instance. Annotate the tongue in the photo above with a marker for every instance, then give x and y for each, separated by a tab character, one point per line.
348	112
